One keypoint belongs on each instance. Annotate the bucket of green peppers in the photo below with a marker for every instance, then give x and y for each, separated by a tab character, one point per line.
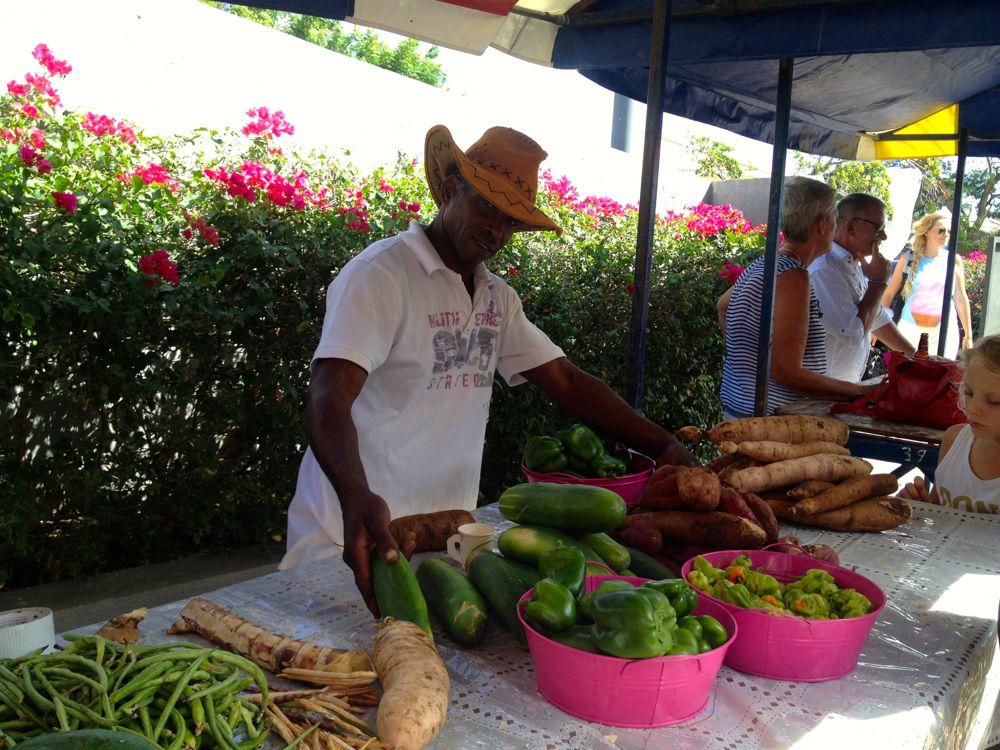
578	455
671	645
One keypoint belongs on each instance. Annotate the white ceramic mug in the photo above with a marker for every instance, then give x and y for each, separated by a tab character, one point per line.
470	537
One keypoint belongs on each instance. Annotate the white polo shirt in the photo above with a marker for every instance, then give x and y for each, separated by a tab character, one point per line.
430	352
840	284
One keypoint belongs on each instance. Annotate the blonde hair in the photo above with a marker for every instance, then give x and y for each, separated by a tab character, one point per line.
920	229
987	351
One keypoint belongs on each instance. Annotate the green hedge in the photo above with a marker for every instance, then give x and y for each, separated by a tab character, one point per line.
161	298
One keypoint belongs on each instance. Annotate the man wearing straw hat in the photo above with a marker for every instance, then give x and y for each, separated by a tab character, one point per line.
415	328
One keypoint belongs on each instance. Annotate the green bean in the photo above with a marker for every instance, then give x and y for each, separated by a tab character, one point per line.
248	721
180	728
125	670
30	690
76	709
55	659
73	676
140	680
12	681
187	653
219	730
197	714
295	743
61	714
176	693
251	669
147	725
223	685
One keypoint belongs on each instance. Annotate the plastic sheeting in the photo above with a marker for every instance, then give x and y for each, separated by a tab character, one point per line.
928	676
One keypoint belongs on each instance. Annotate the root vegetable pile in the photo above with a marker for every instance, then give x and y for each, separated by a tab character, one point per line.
793	468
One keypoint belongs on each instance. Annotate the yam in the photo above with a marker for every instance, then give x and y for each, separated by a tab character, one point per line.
769	451
723	462
713	529
415	686
698	488
430	530
641	535
847	492
270	650
124	628
730	501
828	467
764	515
873	514
690	434
789	429
809	488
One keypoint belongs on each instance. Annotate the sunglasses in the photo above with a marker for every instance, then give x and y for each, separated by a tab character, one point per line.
878	227
943	231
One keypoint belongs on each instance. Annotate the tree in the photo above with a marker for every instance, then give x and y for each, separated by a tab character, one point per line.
714	159
405	59
849	176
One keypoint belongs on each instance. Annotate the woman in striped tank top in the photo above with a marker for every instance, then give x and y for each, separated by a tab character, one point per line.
798	346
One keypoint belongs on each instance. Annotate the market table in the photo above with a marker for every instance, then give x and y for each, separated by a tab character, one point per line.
928	677
911	446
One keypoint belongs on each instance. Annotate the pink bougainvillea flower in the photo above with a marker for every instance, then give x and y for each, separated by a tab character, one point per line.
151	174
30	110
385	187
27	155
17	89
44	55
158	267
511	271
976	256
267	124
730	273
65	201
101	125
38	138
44	166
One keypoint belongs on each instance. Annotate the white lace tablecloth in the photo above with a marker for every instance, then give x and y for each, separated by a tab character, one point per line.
928	677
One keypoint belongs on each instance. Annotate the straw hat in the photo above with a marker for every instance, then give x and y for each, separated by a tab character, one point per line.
502	166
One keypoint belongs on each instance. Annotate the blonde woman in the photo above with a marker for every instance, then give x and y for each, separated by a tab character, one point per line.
927	267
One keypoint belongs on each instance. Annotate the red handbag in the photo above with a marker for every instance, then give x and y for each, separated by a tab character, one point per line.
920	391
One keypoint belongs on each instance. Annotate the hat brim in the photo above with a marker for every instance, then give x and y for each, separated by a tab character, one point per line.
440	151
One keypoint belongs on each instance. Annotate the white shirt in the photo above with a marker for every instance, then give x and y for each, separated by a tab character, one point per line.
840	284
430	352
957	484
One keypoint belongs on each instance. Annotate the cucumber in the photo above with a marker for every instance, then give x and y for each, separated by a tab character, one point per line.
502	582
646	566
611	552
455	602
526	544
398	593
88	739
569	507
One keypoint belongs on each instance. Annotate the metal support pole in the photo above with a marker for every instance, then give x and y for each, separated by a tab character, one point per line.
621	123
782	114
956	216
647	199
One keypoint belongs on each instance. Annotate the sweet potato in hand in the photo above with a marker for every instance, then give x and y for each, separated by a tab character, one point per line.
427	532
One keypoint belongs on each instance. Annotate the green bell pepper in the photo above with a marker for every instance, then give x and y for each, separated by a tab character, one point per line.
682	598
685	642
566	565
586	600
551	608
633	624
545	454
693	624
583	443
580	637
607	467
712	631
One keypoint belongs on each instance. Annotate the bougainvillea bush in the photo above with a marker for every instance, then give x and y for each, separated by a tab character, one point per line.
161	297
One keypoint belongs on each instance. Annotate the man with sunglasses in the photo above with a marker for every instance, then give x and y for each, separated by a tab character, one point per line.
849	282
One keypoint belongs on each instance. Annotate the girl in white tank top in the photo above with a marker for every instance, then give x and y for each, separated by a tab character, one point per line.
968	470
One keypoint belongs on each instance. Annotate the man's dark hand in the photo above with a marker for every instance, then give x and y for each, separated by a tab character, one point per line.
366	532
